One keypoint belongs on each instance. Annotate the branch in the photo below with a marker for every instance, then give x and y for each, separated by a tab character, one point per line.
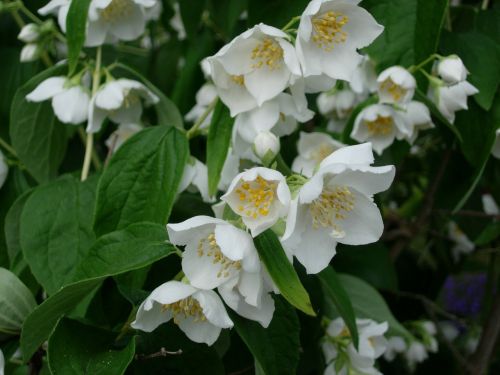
162	353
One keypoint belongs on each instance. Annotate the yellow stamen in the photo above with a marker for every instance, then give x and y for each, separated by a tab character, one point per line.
327	29
188	307
396	91
208	247
239	80
117	9
267	53
382	125
256	197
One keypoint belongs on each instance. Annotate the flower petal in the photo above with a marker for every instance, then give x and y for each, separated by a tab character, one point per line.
47	89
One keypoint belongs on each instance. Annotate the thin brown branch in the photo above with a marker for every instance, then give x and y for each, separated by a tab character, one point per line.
480	359
161	353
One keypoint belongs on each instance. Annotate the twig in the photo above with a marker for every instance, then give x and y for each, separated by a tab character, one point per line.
194	129
161	353
479	361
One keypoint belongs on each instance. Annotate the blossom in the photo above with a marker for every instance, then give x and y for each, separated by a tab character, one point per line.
70	99
336	205
176	22
266	144
120	135
329	34
312	149
395	345
380	124
451	69
260	196
4	169
29	33
204	97
108	20
495	151
364	78
120	101
418	117
395	85
463	245
416	353
489	205
337	105
2	363
30	52
195	177
200	314
253	68
450	99
372	344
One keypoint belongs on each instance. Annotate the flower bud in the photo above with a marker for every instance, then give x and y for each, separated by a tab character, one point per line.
452	69
266	145
30	52
29	33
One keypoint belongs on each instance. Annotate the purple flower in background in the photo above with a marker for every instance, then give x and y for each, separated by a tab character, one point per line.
463	295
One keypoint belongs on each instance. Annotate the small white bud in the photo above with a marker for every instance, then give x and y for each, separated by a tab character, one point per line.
30	52
452	70
266	145
29	33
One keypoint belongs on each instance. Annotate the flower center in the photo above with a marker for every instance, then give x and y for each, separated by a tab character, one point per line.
396	91
267	53
321	152
239	80
256	197
208	247
185	308
327	29
330	207
382	125
117	9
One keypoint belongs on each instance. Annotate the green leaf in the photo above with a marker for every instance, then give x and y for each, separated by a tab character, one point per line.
191	11
166	111
282	272
336	293
80	349
13	230
412	30
76	24
37	136
368	303
56	229
16	302
481	55
226	13
276	348
219	139
134	254
141	181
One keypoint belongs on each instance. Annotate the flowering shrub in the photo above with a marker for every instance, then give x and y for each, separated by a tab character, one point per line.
269	187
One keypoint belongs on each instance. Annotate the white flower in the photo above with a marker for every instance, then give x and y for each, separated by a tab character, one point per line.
395	345
199	313
176	22
29	33
418	117
380	124
489	205
364	78
452	70
253	68
260	196
495	151
279	115
416	353
336	205
463	245
120	101
2	363
450	331
429	327
450	99
195	177
70	101
30	52
395	85
120	135
108	20
372	344
266	143
337	106
312	149
204	97
329	34
4	169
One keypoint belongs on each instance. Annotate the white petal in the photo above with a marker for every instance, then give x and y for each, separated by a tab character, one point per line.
489	205
213	308
181	233
97	31
200	332
71	105
367	180
47	89
351	155
110	96
304	166
234	243
130	26
265	84
148	319
95	118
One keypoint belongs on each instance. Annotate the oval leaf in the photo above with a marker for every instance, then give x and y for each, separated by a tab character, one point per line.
76	24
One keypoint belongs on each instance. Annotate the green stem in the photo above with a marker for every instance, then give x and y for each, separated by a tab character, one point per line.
290	23
414	68
90	136
194	129
8	148
95	158
282	166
